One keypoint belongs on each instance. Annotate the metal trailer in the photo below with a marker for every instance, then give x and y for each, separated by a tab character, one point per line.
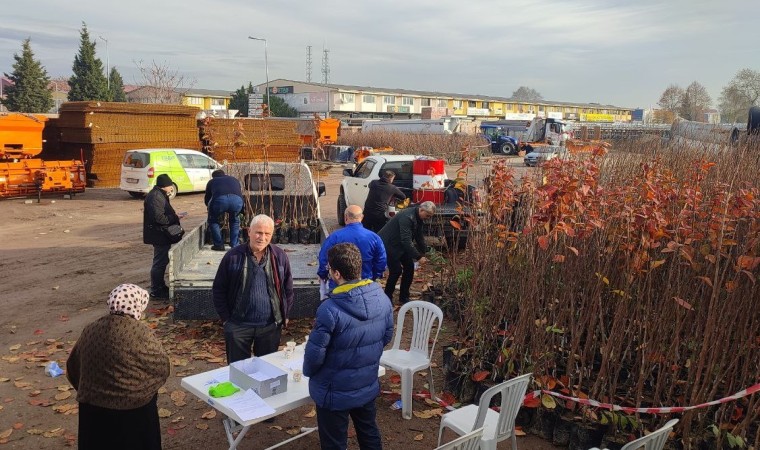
284	191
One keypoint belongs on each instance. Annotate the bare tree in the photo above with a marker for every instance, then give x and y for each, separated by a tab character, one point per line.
670	100
524	93
161	84
694	102
740	94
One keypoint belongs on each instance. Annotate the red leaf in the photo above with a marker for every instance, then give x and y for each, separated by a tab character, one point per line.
395	379
480	376
447	398
543	242
38	332
455	224
532	402
683	303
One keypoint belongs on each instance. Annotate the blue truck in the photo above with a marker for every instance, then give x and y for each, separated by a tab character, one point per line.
501	136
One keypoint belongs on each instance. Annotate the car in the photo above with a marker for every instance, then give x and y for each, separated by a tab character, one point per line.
189	170
544	153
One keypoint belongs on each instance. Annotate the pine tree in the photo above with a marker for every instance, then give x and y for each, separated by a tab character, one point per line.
30	91
239	100
88	82
117	93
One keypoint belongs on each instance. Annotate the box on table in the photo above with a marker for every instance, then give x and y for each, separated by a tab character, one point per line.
264	378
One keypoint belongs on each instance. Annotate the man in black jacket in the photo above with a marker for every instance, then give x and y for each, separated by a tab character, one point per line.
404	243
158	214
223	196
380	194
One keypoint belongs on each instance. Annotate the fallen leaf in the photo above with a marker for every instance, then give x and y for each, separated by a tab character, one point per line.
40	402
22	384
63	387
65	407
34	431
519	432
419	437
311	413
55	432
293	430
13	348
428	413
162	390
178	397
201	426
18	426
275	427
178	418
163	412
38	332
6	434
209	414
62	395
35	393
4	379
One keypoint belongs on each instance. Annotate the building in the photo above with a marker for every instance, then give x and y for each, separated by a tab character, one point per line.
365	102
203	99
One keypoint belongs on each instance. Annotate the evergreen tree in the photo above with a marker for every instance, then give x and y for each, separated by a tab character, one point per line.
239	100
88	81
30	91
116	93
279	108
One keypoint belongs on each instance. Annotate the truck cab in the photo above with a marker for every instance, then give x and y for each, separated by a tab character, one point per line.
499	138
544	132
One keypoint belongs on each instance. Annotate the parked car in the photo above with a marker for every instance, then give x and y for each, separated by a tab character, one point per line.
544	153
190	170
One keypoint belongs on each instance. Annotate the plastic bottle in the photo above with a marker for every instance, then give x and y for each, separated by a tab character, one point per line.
53	370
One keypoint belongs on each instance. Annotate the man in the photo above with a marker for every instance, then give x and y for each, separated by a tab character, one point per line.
253	293
369	243
158	214
404	243
381	192
343	352
223	196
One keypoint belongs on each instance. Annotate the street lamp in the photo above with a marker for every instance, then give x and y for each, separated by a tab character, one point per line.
266	64
108	68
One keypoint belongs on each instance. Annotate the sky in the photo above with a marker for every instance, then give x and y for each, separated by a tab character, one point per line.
619	52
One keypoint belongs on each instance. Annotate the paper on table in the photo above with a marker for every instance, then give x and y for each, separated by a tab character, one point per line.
248	406
218	378
293	364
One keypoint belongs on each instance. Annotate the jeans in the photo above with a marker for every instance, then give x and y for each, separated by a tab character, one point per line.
238	340
400	267
333	428
374	223
230	204
158	287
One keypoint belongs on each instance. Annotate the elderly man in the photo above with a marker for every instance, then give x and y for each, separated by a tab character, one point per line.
343	353
223	196
404	243
158	214
369	243
253	293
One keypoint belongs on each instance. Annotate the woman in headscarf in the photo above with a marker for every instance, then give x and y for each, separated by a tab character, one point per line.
117	367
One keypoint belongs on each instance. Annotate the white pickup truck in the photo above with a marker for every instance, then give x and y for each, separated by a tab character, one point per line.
355	188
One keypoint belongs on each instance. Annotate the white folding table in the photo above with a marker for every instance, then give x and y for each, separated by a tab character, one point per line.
295	396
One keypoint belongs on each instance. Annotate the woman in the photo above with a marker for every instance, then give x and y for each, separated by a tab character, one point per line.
117	367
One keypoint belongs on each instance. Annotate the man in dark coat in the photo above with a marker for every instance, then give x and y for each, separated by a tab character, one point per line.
381	192
223	196
342	355
253	293
405	243
158	214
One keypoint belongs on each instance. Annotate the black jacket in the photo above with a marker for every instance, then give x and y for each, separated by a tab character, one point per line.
157	215
403	235
380	194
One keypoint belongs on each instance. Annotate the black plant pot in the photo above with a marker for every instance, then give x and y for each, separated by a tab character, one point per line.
544	424
586	436
563	429
525	417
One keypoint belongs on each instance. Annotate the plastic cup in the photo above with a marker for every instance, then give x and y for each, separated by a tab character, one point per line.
297	375
290	348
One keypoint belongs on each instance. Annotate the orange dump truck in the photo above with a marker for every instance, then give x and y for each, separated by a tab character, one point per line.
20	173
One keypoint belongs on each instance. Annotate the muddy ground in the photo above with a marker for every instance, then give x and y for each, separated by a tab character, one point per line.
59	260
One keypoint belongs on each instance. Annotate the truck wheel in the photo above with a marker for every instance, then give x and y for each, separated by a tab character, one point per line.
136	194
341	209
173	191
508	148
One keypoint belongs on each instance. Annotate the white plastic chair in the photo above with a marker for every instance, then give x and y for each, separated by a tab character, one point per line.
470	441
418	357
497	426
654	440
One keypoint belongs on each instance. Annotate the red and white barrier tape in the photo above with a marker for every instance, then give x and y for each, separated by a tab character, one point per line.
664	410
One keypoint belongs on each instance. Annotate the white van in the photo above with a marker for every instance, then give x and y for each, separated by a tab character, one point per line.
190	170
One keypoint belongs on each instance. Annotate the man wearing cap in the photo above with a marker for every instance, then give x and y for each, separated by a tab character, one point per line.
223	196
157	215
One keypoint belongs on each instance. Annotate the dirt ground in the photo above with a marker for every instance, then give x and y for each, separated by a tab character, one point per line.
60	259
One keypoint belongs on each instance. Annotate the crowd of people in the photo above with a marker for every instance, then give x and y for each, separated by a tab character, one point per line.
118	365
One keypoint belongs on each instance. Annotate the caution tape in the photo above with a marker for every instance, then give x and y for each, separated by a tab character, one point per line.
663	410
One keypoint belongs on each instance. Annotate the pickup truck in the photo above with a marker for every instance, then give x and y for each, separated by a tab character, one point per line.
355	187
287	193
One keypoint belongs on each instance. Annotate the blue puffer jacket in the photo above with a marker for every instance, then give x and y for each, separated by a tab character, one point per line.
343	353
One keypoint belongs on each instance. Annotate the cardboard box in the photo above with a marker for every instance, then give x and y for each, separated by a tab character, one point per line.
264	378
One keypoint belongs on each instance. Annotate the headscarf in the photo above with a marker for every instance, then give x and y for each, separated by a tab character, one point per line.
128	299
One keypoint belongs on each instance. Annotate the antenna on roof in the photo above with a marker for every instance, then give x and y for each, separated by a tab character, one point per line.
308	63
325	66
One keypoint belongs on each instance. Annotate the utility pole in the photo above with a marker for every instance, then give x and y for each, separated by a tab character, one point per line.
266	65
108	67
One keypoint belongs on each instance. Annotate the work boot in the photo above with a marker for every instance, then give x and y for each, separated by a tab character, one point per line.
218	248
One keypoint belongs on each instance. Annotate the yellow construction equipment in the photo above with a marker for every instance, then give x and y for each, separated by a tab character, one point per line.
20	173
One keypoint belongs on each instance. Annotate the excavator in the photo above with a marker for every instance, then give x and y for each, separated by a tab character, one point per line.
21	174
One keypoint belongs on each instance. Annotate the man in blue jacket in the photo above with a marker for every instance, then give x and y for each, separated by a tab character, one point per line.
223	196
343	352
253	293
369	243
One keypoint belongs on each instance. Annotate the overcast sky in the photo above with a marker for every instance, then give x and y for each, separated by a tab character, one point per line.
616	52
